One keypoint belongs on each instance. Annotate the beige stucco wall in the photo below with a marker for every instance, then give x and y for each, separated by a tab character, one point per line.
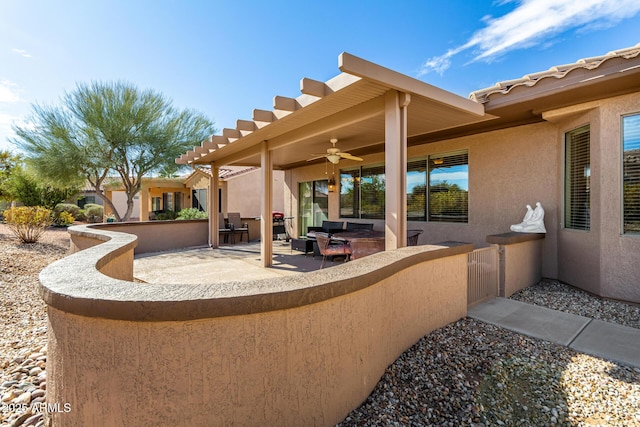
508	169
292	351
156	236
244	193
601	260
521	266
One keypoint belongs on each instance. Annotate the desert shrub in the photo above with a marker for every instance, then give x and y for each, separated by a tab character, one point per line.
69	209
28	223
81	215
93	212
166	215
63	219
192	213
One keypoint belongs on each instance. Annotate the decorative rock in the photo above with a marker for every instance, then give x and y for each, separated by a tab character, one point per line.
35	371
23	399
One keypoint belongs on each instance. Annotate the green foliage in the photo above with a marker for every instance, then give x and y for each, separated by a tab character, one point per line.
70	208
448	203
166	215
192	213
93	213
31	191
102	129
8	163
28	223
63	219
65	213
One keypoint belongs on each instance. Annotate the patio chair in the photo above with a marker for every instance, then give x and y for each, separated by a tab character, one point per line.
237	226
412	237
363	247
223	229
351	226
329	248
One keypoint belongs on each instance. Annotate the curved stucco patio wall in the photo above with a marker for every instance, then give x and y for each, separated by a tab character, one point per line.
299	350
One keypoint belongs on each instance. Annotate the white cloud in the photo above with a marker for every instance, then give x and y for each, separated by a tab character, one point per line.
449	176
22	53
8	92
6	120
533	22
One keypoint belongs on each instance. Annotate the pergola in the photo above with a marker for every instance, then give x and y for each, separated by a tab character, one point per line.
369	108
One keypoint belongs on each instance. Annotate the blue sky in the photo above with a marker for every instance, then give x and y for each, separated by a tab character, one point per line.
226	58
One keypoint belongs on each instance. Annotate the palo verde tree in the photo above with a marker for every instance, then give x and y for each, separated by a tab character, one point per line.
109	129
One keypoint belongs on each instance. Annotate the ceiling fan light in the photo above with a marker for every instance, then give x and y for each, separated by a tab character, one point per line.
333	158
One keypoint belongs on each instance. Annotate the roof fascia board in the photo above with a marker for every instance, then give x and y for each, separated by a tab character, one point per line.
351	64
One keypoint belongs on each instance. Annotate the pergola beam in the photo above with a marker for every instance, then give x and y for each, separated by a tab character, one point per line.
403	83
357	114
314	88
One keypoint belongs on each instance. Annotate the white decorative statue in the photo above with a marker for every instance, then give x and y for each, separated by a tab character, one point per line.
533	221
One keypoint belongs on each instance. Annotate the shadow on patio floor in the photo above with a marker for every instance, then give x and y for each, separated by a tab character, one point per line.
237	262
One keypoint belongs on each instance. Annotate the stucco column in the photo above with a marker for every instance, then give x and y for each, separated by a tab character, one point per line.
266	220
212	206
395	156
145	206
105	208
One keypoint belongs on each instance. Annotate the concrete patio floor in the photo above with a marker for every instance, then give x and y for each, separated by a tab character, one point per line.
237	262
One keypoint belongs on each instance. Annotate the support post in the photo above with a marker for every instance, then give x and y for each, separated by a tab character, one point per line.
396	169
266	219
213	207
145	205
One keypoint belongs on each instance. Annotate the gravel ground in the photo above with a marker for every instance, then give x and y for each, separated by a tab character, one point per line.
470	373
467	373
23	333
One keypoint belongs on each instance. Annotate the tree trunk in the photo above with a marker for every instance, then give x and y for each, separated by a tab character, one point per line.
107	202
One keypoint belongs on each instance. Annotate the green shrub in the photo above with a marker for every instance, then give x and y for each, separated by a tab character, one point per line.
167	215
28	223
93	213
67	208
63	219
82	216
192	213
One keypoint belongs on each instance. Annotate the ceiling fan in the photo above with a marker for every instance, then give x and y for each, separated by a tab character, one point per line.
334	154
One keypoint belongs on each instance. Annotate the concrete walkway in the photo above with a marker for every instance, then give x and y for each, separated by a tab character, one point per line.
617	343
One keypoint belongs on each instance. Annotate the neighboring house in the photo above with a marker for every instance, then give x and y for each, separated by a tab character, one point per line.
239	191
461	169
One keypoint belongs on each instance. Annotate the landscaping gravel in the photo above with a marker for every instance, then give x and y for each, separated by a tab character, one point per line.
466	373
470	373
23	315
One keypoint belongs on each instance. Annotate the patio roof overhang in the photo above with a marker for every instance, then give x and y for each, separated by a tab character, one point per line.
349	107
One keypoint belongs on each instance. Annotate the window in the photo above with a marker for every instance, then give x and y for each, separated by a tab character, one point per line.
449	187
362	192
199	199
577	170
156	203
313	202
631	173
417	190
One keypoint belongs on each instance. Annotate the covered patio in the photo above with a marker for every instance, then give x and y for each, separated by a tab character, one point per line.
368	109
231	263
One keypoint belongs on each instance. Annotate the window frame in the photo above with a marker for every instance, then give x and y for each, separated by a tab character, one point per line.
567	204
623	226
464	219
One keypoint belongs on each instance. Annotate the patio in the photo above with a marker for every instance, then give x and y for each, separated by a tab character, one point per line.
227	263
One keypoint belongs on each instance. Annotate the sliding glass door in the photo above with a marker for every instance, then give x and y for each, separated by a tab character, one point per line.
313	199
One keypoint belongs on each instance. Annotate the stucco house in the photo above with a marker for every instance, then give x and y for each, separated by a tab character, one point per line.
565	137
461	169
238	191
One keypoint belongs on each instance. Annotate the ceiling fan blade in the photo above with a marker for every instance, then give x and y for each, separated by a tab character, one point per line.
350	157
319	156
